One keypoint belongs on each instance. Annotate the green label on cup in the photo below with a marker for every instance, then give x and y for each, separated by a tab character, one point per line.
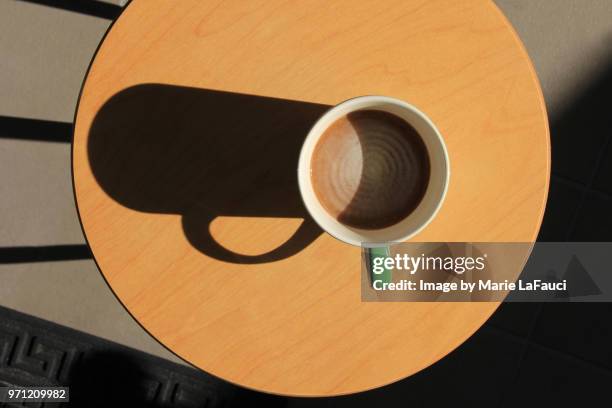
375	261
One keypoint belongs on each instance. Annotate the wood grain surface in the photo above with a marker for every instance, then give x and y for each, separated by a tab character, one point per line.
184	166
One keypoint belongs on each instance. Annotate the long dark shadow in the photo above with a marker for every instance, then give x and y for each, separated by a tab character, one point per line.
35	129
89	7
27	254
205	154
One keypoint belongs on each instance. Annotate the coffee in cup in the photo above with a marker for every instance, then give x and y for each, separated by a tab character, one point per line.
373	170
370	169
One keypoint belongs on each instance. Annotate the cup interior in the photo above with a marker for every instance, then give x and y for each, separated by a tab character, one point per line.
435	191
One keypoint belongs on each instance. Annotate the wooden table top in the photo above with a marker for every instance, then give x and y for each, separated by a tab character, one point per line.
184	163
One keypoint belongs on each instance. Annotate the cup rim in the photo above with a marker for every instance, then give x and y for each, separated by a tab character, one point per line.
304	167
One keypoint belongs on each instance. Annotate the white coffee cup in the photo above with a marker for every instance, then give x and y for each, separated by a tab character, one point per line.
435	191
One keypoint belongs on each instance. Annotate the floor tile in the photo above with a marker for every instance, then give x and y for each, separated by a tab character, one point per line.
515	318
549	379
563	200
579	134
581	329
594	220
475	375
603	180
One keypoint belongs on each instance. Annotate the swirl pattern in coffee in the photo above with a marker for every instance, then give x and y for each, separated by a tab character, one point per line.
370	169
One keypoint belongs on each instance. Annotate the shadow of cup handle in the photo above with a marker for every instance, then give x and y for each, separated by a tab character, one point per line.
199	235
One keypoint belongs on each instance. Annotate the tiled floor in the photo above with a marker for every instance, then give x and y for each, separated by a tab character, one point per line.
552	379
590	337
580	133
554	353
602	180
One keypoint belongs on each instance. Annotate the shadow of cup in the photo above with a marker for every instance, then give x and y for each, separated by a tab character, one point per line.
203	154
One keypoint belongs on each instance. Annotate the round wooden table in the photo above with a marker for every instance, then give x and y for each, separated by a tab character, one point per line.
184	163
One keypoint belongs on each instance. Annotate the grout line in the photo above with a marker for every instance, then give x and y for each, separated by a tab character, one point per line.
534	323
600	194
566	180
525	346
543	347
577	184
589	187
565	354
